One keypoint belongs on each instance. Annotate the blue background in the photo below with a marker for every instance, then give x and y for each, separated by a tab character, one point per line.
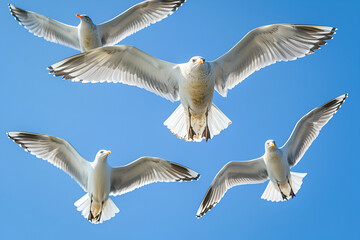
37	199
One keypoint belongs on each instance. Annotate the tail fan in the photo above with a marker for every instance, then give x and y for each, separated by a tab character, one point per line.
109	208
297	180
273	194
218	121
178	123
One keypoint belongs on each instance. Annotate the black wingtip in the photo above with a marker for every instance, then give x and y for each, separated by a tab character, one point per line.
17	11
178	5
343	100
204	203
197	177
185	172
338	101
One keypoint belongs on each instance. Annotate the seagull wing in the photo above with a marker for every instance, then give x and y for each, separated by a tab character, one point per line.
146	170
56	151
231	175
47	28
308	128
264	46
136	18
125	64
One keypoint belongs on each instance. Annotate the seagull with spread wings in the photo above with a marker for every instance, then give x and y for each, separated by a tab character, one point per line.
194	82
88	35
275	164
97	178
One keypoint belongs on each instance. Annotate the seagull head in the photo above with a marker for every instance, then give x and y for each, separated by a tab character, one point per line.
197	61
270	145
84	18
102	154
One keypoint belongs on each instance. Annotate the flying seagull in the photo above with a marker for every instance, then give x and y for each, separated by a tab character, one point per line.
88	35
194	82
97	178
275	164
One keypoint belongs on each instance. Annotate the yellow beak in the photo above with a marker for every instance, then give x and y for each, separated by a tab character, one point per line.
108	152
78	15
201	62
273	145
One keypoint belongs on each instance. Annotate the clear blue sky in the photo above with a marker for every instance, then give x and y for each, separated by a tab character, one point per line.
37	199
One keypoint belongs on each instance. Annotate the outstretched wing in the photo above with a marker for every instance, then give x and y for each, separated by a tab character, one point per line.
146	170
125	64
56	151
231	175
136	18
308	128
47	28
264	46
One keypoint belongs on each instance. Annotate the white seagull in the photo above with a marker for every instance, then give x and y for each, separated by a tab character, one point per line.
275	164
88	35
194	82
97	178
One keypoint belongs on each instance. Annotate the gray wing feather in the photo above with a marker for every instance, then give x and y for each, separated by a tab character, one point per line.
308	128
136	18
264	46
47	28
231	175
146	170
124	64
56	151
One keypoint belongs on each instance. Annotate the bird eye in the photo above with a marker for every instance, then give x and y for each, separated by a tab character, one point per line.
193	60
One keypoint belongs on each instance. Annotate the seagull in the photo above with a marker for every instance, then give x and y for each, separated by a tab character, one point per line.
97	178
275	164
194	82
88	35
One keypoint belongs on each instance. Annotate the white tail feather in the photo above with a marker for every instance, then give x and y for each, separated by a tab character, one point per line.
218	121
273	194
178	123
109	208
83	205
297	180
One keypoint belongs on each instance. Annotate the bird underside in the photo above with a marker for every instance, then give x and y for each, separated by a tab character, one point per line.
199	122
277	192
286	190
196	126
95	211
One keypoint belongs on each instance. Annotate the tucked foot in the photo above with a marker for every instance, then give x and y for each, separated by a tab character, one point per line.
191	133
90	217
98	217
283	196
292	194
206	133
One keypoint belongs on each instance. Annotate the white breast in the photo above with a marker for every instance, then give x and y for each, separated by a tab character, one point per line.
89	37
197	90
277	167
99	181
